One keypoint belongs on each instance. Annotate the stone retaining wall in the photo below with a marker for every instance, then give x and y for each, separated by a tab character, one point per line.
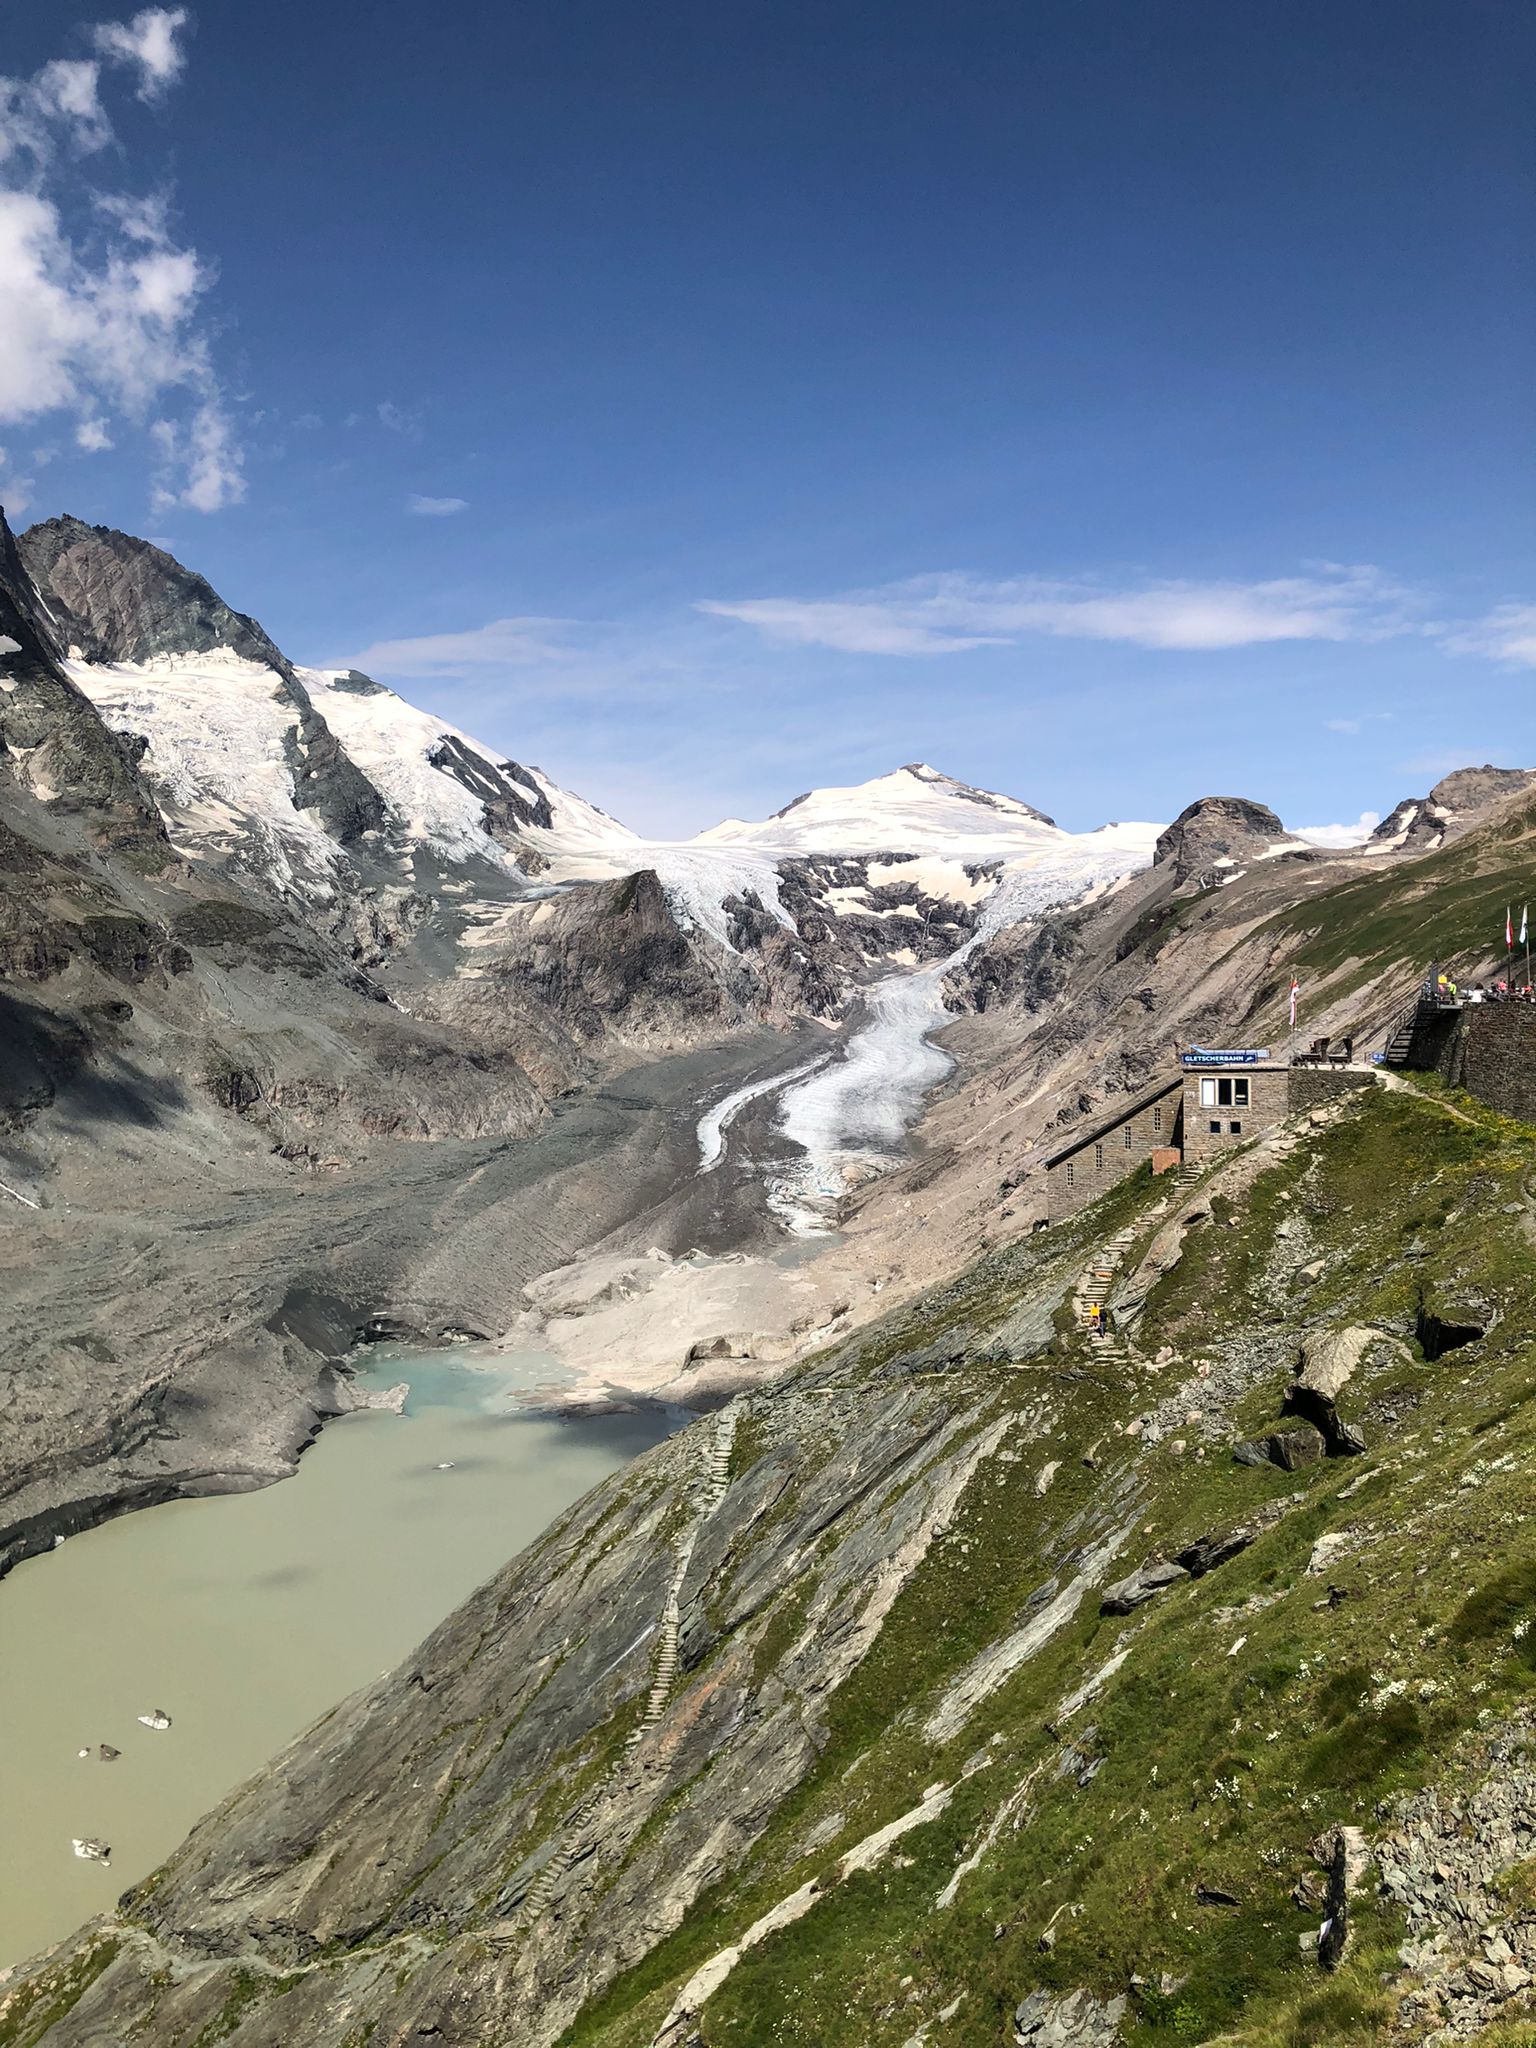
1490	1050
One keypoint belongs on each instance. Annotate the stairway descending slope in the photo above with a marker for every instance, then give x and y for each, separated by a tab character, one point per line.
713	1479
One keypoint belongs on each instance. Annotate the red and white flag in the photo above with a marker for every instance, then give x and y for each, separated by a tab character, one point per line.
1295	991
1509	928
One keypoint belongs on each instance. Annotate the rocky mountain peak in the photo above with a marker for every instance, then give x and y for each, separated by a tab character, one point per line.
114	598
1216	830
1473	789
1420	823
51	736
118	598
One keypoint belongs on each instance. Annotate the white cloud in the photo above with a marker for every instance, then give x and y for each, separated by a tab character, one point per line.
400	419
949	613
1341	835
149	43
435	508
504	643
15	491
1507	634
102	314
200	464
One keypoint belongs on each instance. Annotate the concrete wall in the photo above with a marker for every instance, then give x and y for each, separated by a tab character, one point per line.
1096	1168
1490	1050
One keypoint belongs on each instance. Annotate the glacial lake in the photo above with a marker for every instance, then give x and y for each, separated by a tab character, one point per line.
244	1617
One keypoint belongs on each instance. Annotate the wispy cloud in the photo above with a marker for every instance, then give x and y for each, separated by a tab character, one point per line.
1341	835
1357	724
504	643
947	614
101	313
1507	634
435	508
399	419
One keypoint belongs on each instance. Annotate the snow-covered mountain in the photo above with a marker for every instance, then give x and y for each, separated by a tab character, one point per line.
915	810
326	787
300	776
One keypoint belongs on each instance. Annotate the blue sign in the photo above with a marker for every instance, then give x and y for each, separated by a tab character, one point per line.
1206	1056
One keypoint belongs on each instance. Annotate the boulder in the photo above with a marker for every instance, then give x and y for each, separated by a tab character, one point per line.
1127	1594
1328	1362
1329	1358
1290	1449
1049	2019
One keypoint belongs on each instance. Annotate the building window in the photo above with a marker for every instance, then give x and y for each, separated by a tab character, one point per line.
1215	1127
1229	1092
1157	1117
1129	1140
1236	1129
1070	1175
1098	1155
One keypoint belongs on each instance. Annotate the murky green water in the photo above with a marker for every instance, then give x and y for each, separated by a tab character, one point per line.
247	1616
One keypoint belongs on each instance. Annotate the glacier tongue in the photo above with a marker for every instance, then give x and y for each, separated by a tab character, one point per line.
849	1118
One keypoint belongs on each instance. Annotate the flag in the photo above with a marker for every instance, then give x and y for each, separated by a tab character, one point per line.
1525	910
1295	991
1509	927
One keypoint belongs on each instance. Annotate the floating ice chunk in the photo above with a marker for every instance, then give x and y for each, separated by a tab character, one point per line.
156	1718
90	1850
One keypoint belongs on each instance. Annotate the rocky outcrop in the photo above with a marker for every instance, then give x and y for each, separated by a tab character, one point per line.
53	742
116	598
1215	833
1074	2020
1421	823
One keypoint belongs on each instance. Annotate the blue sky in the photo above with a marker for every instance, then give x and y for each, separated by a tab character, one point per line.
1108	403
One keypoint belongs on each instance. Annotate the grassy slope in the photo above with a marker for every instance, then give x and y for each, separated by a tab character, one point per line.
1447	906
1219	1764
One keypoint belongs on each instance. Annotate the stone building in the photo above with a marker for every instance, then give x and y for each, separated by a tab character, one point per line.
1147	1126
1228	1102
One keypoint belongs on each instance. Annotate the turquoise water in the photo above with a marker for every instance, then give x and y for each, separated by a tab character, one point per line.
246	1616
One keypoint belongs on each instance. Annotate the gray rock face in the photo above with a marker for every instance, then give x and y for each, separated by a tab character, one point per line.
1329	1360
1420	823
1216	828
1074	2020
1291	1449
1474	789
1134	1591
116	598
53	740
511	796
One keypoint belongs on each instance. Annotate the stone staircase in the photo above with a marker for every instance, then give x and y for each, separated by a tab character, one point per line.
1400	1037
713	1478
1094	1293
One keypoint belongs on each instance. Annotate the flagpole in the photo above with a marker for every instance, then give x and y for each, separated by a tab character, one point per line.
1525	933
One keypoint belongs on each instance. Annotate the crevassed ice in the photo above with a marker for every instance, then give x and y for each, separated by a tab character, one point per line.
853	1114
